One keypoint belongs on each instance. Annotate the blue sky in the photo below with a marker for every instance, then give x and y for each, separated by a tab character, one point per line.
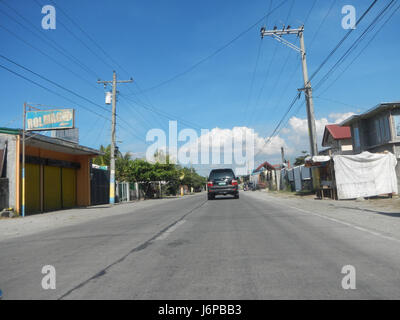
155	40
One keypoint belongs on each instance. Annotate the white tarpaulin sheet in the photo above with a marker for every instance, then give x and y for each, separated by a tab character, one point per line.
365	174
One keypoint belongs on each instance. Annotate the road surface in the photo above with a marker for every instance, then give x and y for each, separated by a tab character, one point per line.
191	248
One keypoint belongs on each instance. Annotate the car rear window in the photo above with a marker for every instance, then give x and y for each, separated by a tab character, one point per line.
221	174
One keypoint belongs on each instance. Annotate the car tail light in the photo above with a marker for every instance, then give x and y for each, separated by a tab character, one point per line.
234	182
209	184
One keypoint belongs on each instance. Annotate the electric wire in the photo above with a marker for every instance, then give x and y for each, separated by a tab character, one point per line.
201	61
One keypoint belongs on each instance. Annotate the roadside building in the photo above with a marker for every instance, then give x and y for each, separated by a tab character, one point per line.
337	140
267	176
57	172
377	130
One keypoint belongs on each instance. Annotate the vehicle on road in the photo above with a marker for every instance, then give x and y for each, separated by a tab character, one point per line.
249	186
222	182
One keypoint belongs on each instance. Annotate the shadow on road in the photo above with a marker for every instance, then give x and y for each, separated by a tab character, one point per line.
225	198
390	214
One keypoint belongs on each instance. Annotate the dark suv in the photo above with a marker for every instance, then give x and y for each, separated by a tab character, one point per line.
222	182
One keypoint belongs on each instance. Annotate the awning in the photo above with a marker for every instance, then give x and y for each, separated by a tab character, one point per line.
316	161
58	145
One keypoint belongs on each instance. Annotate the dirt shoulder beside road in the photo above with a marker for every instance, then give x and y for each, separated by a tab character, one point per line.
378	215
16	227
380	204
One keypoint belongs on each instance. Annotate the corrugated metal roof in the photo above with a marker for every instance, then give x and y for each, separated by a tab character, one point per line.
10	130
265	165
337	132
369	113
50	143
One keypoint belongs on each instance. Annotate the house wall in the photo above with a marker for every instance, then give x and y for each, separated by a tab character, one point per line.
82	174
346	145
378	134
11	166
339	146
333	144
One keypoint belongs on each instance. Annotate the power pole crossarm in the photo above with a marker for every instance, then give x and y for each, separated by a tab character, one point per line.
113	124
277	34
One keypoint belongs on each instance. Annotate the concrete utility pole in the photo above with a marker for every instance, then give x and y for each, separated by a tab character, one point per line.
112	151
277	35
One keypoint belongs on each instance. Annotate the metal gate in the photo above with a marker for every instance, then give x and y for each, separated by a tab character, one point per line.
99	186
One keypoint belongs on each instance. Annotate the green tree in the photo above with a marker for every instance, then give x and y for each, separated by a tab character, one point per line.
103	160
146	173
122	164
301	159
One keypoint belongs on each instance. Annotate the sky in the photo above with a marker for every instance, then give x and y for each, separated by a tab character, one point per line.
202	63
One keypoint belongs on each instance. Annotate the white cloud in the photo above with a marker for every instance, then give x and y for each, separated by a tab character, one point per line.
217	138
339	117
293	138
297	132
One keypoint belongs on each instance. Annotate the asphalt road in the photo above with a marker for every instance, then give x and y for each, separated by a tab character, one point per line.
191	248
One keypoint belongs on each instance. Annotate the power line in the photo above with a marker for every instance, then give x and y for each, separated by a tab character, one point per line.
342	40
107	55
47	55
321	24
252	78
98	46
54	83
50	90
201	61
354	45
362	50
89	37
322	64
274	132
78	39
164	114
60	49
48	80
286	61
64	97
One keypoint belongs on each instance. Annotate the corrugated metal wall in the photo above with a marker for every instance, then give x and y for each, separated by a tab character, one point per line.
32	187
55	190
52	188
68	176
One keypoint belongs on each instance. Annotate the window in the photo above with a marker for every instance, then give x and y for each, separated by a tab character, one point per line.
386	132
378	136
220	174
397	124
356	138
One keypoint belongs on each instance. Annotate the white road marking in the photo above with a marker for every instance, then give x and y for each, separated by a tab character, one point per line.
377	234
167	232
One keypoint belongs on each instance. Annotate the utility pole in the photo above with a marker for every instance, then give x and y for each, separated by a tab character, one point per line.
113	122
23	164
277	35
283	155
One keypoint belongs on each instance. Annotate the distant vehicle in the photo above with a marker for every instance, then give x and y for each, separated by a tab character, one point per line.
222	182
